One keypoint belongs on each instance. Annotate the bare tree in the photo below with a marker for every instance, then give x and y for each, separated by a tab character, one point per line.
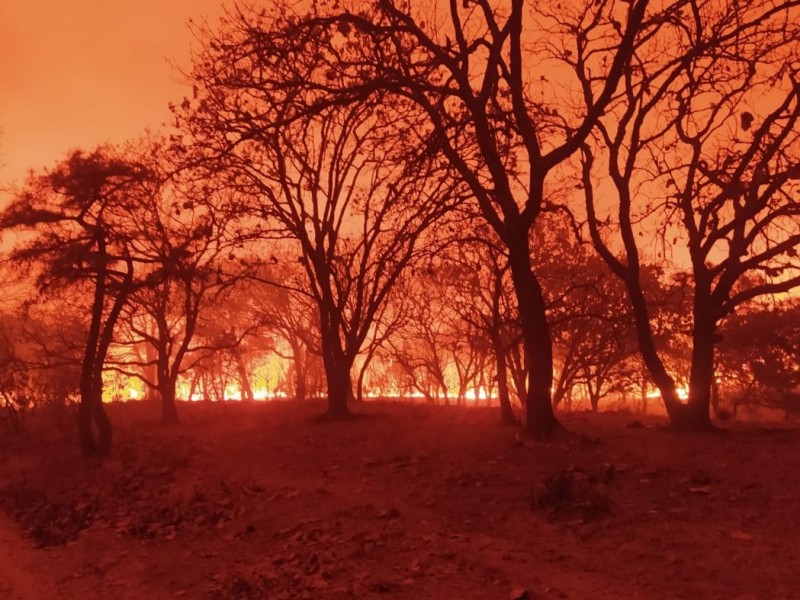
420	346
702	148
474	69
350	188
483	300
391	317
289	316
191	228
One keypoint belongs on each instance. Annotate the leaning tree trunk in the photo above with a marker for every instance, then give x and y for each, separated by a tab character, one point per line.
360	385
650	358
86	437
515	360
193	385
91	413
541	421
362	374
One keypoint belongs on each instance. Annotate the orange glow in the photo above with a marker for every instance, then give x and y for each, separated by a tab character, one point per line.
85	72
682	390
121	388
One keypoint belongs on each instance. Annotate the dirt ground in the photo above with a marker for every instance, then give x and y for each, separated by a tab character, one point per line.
409	502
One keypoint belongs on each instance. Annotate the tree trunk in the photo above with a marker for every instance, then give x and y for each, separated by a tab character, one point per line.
715	400
594	400
696	411
166	389
644	389
91	415
362	374
104	432
193	385
299	372
208	387
85	431
337	376
217	388
99	339
169	409
443	389
650	357
339	391
300	385
360	385
517	371
150	369
506	412
244	378
541	421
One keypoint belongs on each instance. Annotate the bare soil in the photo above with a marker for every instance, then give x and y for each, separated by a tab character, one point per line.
264	501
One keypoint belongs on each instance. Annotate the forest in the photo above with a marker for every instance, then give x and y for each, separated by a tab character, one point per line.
535	261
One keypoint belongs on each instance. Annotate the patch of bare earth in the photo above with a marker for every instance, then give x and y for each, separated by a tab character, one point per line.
263	501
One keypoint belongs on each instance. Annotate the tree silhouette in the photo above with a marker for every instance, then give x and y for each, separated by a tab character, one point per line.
76	219
593	331
481	295
756	358
473	71
190	227
421	347
289	316
702	148
346	188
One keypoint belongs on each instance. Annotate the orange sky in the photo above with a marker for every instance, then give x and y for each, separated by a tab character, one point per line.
76	73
